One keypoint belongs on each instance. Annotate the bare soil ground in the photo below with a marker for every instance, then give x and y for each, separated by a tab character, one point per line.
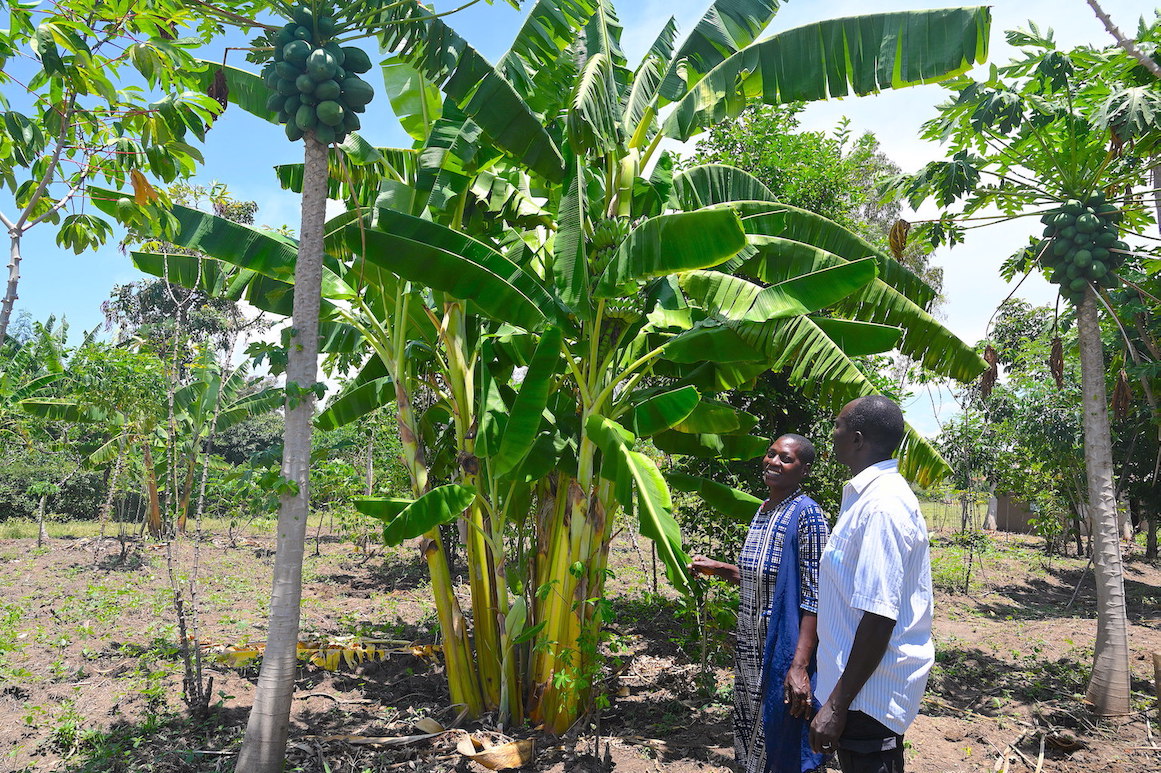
90	675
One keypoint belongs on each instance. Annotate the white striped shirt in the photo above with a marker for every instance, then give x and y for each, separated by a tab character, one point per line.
877	561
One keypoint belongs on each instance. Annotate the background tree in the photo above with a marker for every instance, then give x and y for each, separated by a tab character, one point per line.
1051	134
71	124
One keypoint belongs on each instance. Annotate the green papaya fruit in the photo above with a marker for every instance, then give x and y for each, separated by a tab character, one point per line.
305	118
293	133
336	52
1087	223
304	83
330	113
1082	259
287	71
327	90
357	61
284	35
324	134
296	52
286	87
357	92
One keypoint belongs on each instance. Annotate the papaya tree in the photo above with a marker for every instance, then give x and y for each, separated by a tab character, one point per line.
1063	135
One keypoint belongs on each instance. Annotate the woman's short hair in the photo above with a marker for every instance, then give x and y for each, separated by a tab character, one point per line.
805	448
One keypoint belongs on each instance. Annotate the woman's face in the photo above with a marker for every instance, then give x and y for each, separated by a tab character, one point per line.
782	469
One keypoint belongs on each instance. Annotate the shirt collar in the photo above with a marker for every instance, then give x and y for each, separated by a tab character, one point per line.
860	482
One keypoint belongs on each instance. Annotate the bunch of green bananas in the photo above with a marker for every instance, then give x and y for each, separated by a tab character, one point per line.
607	237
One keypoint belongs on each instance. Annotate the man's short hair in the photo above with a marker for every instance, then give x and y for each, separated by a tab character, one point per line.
806	451
880	420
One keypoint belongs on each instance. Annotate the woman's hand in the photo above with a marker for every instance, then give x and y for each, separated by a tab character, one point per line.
703	565
720	569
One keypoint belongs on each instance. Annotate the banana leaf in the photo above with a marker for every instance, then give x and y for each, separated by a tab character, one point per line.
728	501
711	446
672	243
709	184
799	225
662	411
406	519
632	472
448	261
524	421
833	58
711	416
737	299
726	27
924	338
476	88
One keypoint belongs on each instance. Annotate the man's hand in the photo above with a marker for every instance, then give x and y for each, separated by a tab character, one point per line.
796	691
826	728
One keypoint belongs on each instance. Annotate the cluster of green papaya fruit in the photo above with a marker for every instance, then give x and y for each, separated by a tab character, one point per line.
315	83
1081	245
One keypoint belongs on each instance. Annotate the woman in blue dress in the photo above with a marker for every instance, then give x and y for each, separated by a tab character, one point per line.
763	601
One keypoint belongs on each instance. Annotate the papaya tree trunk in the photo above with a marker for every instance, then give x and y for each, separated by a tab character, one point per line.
1108	688
10	290
264	746
41	531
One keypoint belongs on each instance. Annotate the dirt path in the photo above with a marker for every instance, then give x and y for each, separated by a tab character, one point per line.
90	677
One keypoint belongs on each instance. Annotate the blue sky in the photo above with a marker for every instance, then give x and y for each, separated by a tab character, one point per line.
242	150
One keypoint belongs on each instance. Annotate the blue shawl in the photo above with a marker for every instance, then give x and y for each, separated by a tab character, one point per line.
787	738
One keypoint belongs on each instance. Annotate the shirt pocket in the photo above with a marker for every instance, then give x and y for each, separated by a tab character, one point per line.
837	543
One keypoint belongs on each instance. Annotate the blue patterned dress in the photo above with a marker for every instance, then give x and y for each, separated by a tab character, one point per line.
758	568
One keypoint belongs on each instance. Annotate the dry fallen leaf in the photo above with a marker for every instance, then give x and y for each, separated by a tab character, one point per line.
505	756
428	725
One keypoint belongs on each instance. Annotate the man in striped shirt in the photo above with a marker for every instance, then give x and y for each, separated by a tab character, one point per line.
875	601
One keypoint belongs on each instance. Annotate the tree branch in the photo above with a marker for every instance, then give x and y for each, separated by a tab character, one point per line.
1123	41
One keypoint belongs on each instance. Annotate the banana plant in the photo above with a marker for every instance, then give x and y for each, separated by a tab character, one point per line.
521	235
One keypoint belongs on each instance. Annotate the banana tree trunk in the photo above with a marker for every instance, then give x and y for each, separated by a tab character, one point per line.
462	678
154	514
483	558
1108	688
264	746
186	493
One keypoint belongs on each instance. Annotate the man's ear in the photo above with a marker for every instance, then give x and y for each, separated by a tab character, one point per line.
857	440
